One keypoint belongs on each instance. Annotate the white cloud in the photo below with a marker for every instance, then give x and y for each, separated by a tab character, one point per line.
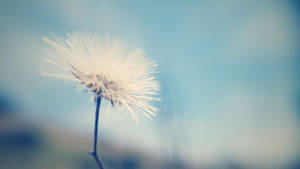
268	32
256	129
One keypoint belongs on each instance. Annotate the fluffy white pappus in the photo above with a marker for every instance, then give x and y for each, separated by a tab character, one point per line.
108	68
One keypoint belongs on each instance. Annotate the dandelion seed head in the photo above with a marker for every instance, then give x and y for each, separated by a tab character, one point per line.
106	67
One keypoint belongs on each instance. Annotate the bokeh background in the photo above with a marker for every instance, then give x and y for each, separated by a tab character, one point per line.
229	72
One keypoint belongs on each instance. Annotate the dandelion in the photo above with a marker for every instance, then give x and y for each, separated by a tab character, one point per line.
107	68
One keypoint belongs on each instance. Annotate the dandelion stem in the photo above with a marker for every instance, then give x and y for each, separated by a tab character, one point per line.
94	152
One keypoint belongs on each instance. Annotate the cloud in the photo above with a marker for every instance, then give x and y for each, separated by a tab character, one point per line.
255	129
269	31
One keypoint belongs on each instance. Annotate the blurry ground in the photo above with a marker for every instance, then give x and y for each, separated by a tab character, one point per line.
25	145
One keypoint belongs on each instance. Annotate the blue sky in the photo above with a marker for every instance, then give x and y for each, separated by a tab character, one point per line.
227	73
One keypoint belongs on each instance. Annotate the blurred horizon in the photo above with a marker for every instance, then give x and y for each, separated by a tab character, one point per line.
229	75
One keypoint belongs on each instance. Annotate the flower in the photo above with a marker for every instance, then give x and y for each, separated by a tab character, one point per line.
108	68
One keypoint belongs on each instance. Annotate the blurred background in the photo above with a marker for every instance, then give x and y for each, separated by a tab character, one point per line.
229	72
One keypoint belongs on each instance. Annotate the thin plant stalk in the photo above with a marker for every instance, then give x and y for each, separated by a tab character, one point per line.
94	152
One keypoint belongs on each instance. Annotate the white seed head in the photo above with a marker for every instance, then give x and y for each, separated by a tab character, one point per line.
108	68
